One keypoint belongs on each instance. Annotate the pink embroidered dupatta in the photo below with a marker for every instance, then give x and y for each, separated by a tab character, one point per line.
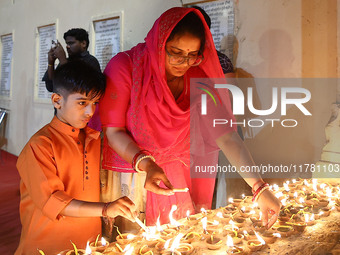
154	119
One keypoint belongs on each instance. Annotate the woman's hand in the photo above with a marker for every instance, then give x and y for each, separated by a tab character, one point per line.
123	207
270	208
154	175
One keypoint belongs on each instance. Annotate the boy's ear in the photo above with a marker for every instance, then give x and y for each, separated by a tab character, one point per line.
56	100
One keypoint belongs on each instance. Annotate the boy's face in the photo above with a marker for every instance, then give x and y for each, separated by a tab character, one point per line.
75	109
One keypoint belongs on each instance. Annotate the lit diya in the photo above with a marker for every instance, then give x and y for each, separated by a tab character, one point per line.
257	244
233	249
99	246
213	243
87	251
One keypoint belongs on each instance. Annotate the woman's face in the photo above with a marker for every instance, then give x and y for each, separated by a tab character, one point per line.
185	45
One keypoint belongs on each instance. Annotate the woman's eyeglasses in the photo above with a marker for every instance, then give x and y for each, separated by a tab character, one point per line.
178	60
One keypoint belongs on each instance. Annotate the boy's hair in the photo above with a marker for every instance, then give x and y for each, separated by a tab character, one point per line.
78	77
78	33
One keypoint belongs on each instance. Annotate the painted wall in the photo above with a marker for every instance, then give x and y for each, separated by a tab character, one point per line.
275	39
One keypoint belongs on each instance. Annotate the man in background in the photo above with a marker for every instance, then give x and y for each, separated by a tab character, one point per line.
77	43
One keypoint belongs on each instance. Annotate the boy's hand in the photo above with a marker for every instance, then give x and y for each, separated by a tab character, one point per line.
123	207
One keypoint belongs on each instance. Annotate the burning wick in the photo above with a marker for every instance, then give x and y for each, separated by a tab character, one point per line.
88	249
188	214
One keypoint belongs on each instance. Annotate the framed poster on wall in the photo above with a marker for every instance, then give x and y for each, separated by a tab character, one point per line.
222	18
107	37
44	36
6	52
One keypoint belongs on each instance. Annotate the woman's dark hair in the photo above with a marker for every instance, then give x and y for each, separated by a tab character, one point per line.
191	24
78	77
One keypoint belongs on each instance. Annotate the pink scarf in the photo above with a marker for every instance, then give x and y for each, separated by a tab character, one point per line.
154	119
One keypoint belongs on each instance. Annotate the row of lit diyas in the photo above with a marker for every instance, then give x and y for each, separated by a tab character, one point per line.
234	229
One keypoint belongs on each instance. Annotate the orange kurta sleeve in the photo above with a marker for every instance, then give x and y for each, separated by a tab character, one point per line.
38	172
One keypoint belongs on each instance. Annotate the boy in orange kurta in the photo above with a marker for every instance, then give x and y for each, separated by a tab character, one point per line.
59	170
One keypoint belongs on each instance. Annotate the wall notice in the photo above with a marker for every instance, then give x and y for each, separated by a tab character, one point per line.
45	36
222	18
6	64
107	39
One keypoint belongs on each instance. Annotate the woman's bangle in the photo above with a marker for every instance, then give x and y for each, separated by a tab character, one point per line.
140	160
137	155
253	188
260	193
259	190
104	211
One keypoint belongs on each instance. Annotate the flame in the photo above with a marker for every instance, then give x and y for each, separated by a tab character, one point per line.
158	225
276	187
232	225
172	220
231	200
252	212
312	217
166	245
277	235
203	210
260	238
284	202
295	194
306	217
88	249
128	250
130	236
260	216
243	209
305	182
215	223
230	242
323	185
285	185
279	194
204	223
301	200
245	232
176	242
219	214
243	196
103	241
188	213
293	181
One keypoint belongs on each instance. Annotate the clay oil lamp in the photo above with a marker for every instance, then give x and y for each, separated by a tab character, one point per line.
256	218
258	227
168	233
269	237
145	250
325	212
284	230
223	217
309	219
284	215
87	251
99	246
237	237
151	237
229	209
126	238
213	242
323	202
256	244
185	248
245	211
213	226
235	202
239	221
299	227
249	235
175	244
191	237
233	249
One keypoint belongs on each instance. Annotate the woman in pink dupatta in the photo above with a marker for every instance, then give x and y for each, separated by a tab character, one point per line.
146	106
